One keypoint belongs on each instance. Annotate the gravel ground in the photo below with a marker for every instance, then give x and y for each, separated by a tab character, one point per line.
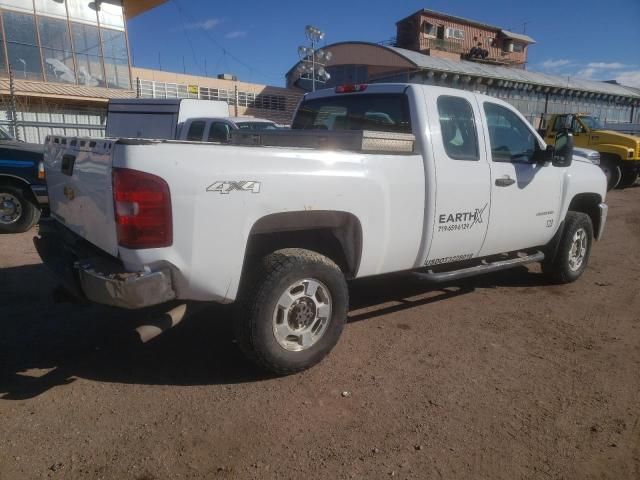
500	377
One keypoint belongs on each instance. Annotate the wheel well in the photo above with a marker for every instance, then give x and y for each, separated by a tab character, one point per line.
588	203
19	183
337	235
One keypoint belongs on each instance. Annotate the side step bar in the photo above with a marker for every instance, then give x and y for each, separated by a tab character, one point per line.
484	267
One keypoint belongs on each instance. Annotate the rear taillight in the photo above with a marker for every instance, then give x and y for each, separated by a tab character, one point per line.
358	87
142	205
41	174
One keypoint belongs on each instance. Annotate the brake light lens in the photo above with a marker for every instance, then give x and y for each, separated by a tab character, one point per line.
358	87
41	173
142	204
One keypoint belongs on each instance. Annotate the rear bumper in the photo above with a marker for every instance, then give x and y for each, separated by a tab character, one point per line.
604	211
90	275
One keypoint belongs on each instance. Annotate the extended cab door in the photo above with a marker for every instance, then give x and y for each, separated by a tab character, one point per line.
525	193
462	177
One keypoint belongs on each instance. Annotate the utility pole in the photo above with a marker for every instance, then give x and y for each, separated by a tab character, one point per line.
13	110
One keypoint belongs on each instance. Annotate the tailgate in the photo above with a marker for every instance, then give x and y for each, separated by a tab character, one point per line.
80	188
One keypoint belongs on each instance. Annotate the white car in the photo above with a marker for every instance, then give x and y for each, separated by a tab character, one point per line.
446	183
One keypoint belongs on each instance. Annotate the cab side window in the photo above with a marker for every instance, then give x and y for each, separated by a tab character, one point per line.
559	123
219	132
511	139
196	130
458	128
576	126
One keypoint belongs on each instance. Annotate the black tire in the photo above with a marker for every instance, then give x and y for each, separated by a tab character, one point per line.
25	213
561	269
255	325
629	178
610	165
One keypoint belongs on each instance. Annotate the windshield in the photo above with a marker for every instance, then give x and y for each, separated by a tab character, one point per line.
592	123
256	126
379	112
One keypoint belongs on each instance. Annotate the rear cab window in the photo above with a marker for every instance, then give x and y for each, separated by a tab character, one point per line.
388	112
196	131
458	128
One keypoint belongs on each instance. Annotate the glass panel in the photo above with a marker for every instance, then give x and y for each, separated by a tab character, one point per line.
114	44
82	10
20	28
54	34
117	73
58	66
22	44
219	132
378	112
511	139
25	61
27	6
86	39
90	71
110	14
196	130
458	128
51	7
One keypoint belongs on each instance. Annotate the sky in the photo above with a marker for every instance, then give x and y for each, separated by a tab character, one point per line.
258	40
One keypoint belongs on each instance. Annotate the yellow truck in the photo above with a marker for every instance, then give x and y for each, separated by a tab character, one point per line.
619	152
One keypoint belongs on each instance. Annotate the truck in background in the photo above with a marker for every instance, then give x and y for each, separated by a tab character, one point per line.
23	190
157	118
619	152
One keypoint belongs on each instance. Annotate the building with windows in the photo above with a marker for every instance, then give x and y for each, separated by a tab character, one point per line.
62	60
533	94
442	35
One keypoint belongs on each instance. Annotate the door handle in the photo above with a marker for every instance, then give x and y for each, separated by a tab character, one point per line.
505	181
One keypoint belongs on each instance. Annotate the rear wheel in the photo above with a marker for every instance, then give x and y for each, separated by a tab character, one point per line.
610	165
573	251
17	213
293	311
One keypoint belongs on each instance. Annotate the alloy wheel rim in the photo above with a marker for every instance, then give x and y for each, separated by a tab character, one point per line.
10	209
302	314
578	250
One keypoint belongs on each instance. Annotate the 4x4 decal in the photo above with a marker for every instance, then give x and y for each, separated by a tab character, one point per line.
225	187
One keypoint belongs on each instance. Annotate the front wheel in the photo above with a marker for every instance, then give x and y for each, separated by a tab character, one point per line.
573	251
17	213
293	311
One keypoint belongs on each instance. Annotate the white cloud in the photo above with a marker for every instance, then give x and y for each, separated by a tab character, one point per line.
208	24
586	73
550	64
609	66
236	34
631	79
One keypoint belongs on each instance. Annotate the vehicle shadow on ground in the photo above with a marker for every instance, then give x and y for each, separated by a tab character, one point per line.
70	341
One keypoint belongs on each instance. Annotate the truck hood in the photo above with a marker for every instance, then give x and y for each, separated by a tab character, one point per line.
609	136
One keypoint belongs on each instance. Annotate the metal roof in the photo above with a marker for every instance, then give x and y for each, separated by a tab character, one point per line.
518	36
464	67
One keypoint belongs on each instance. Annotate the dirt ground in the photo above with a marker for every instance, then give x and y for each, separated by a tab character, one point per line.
497	377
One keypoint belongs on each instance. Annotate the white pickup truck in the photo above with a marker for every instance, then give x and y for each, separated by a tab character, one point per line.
372	179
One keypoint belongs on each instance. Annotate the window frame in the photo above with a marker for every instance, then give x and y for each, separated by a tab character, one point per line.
473	122
190	137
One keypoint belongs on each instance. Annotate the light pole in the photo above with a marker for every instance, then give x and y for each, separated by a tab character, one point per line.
311	58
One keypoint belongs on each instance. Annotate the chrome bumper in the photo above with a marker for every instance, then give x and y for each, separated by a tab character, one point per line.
91	275
604	210
125	290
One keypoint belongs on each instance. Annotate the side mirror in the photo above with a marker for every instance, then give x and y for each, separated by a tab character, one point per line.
563	150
